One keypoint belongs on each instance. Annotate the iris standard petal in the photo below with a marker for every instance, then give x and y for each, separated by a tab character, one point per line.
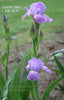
47	69
47	18
37	8
35	64
33	76
39	19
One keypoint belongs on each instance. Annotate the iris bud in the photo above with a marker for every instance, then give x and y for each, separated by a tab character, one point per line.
32	28
5	22
32	31
40	36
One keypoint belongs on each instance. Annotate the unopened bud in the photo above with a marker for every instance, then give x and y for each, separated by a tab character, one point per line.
40	36
32	31
5	22
32	28
4	18
37	26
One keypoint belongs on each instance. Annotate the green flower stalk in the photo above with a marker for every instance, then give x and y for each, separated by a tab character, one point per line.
5	22
5	59
37	12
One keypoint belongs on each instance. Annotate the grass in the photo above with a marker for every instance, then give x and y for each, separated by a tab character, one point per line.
55	9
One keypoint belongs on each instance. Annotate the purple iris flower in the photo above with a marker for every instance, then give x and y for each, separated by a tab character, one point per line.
4	18
37	12
35	65
33	76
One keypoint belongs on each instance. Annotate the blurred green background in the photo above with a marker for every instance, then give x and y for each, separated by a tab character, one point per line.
55	10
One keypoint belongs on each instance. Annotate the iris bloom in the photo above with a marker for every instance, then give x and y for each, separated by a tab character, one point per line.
37	12
35	65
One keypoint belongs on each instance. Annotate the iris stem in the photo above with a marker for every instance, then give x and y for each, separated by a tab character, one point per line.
34	47
7	58
36	89
33	93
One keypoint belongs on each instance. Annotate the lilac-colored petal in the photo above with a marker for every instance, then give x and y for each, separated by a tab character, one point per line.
35	64
39	19
47	69
4	18
26	9
37	8
27	14
33	76
47	18
27	67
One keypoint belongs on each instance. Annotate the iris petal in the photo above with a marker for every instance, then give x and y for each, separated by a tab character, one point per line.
47	18
27	14
26	9
38	7
33	76
47	69
27	67
39	19
35	64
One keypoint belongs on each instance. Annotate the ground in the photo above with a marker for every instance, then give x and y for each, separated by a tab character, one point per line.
47	47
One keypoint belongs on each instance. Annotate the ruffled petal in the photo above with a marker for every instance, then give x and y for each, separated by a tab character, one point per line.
47	69
35	64
37	8
27	14
39	19
33	76
47	18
